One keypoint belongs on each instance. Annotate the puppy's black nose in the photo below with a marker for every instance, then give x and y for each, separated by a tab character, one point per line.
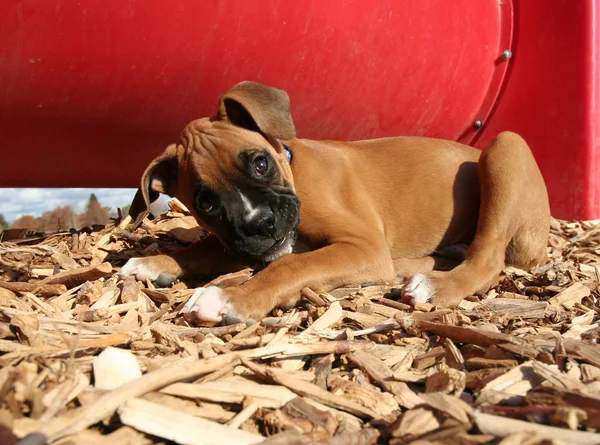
261	223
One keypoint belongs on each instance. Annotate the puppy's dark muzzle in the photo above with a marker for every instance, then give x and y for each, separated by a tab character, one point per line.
262	223
257	236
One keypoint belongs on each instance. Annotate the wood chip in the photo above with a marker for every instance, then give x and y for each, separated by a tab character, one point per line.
502	427
115	367
42	290
72	278
181	428
351	366
383	376
570	296
415	422
267	396
452	406
306	389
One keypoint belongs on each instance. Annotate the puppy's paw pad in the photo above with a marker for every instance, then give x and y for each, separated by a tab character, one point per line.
417	290
208	304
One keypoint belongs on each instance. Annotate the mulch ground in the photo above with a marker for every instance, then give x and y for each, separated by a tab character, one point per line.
89	358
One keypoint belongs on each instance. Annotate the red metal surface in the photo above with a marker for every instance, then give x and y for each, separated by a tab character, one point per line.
91	91
551	98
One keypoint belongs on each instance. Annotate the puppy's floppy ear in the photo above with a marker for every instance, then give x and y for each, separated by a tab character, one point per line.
160	177
258	107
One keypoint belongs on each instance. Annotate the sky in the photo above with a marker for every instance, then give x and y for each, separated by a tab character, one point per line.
17	202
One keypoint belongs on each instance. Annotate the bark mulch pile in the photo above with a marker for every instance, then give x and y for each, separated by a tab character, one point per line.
89	358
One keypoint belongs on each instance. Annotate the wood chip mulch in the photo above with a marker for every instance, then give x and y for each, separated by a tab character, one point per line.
89	358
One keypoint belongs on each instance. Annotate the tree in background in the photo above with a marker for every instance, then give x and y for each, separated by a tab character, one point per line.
94	213
65	218
3	223
61	218
25	222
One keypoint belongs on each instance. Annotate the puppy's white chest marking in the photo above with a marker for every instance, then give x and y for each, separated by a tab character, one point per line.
251	211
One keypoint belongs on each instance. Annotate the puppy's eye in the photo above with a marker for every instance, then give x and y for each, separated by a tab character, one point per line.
206	206
261	165
206	202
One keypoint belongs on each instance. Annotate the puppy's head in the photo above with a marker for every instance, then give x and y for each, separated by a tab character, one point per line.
233	173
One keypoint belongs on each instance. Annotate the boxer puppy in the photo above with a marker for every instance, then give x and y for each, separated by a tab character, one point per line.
323	214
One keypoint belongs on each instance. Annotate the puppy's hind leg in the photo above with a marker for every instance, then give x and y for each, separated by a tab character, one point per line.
513	226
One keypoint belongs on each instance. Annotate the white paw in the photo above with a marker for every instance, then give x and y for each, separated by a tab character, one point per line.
139	268
207	304
417	290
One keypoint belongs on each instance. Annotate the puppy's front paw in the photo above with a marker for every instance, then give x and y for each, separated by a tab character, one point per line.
209	304
148	269
418	289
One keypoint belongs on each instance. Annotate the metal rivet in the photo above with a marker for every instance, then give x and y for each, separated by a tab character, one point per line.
478	124
506	54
